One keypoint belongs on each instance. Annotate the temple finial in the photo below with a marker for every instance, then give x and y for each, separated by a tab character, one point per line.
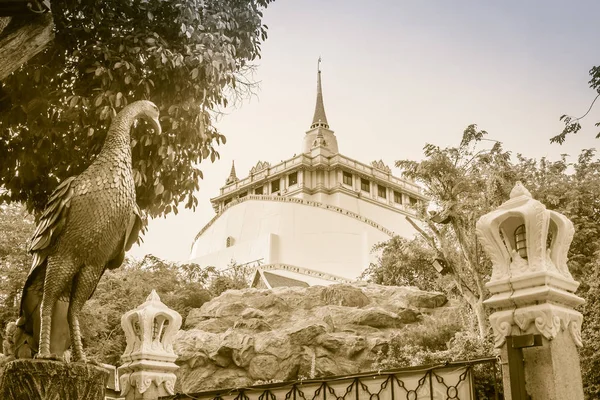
319	119
519	190
232	176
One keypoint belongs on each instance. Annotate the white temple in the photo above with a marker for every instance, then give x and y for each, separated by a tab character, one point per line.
311	219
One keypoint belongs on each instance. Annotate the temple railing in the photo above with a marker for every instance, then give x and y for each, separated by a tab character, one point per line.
468	380
270	171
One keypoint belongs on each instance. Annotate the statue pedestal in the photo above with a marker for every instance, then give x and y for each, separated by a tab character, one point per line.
52	380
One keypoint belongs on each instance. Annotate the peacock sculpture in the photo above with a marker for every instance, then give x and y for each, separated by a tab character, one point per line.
89	222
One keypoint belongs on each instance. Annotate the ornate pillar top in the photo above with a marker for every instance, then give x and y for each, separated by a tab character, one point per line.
525	240
530	283
149	359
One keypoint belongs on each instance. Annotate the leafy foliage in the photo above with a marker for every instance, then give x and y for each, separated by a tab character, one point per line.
468	184
16	226
590	334
234	277
405	262
440	340
465	183
126	288
572	124
188	57
571	188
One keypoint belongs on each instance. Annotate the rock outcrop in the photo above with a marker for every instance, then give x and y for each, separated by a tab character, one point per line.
251	335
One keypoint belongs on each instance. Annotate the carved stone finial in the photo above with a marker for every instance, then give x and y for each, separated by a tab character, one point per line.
519	190
149	359
260	165
153	297
232	178
380	165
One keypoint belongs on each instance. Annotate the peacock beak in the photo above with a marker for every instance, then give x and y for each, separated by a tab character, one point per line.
156	125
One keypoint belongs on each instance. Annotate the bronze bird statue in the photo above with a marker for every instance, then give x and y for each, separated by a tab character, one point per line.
89	222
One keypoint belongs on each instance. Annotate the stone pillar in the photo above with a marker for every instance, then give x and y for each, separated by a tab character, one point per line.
149	360
533	293
52	380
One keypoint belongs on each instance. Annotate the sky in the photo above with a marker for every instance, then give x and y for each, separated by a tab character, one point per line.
400	74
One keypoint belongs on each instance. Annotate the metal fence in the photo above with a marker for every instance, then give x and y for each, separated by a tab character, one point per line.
470	380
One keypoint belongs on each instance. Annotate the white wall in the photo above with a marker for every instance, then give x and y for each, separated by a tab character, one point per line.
390	219
289	233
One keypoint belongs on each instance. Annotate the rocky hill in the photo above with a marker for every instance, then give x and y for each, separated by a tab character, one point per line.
247	336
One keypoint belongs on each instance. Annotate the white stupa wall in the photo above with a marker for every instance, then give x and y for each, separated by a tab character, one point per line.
282	231
381	211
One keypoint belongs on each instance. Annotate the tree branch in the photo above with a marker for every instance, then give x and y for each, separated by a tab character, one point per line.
21	44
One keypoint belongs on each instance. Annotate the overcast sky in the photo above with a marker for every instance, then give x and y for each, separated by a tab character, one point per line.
399	74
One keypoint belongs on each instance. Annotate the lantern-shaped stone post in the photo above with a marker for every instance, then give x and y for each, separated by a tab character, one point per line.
533	293
149	360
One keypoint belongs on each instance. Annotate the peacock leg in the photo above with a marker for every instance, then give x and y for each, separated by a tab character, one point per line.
59	274
84	285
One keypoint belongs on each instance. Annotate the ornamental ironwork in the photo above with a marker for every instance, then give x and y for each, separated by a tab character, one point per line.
478	379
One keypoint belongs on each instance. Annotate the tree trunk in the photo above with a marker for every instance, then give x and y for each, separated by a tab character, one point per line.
20	45
482	319
476	304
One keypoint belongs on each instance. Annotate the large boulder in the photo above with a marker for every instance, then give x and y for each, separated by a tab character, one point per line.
253	335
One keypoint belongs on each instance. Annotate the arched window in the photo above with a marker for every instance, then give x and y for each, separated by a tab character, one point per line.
521	241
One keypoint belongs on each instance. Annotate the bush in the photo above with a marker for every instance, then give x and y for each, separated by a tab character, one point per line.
441	340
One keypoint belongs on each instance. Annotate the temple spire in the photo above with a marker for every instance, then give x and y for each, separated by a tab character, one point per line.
232	176
319	119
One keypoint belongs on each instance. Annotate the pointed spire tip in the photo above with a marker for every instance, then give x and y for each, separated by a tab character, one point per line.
232	175
319	118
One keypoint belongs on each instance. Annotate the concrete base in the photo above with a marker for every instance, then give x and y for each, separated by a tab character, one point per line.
52	380
552	371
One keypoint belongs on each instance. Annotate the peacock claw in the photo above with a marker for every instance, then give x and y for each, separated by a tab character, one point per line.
85	360
49	356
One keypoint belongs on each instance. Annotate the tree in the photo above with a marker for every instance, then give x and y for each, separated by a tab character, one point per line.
572	124
465	183
16	226
124	289
188	57
590	333
405	262
233	277
573	189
